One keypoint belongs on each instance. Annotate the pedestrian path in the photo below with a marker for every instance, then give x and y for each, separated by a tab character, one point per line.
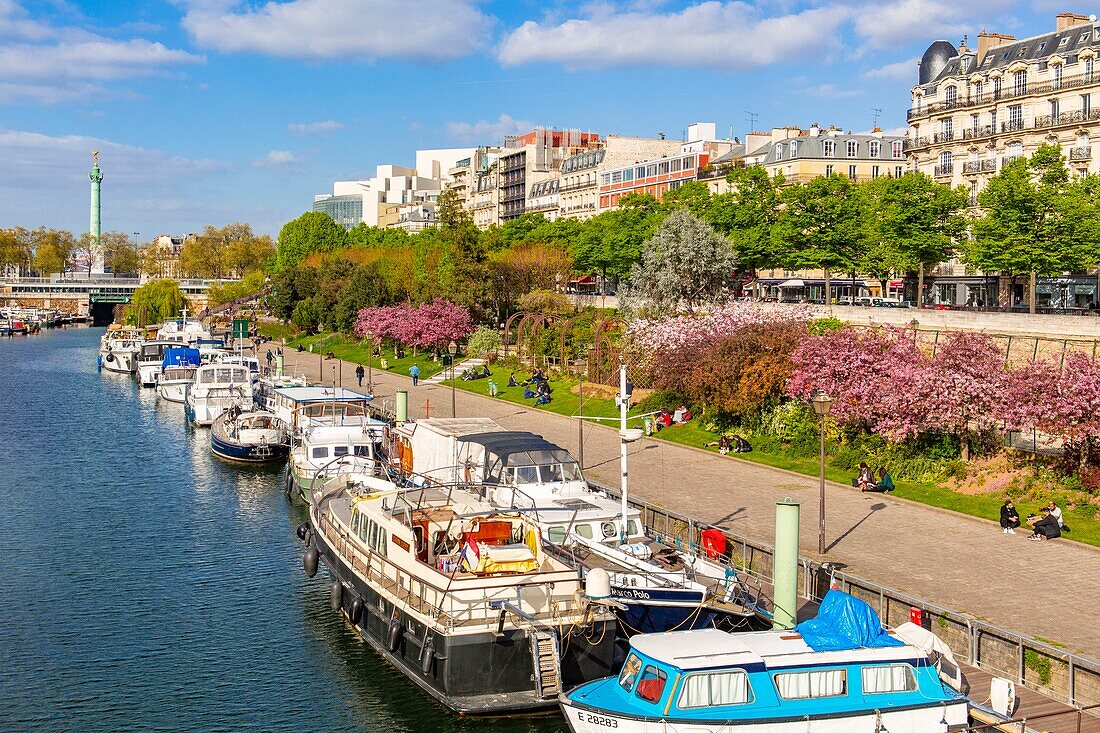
444	375
1042	589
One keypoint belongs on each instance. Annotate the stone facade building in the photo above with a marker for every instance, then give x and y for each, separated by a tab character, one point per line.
974	110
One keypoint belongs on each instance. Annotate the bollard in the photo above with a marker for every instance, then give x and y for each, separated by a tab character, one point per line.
279	365
402	406
785	565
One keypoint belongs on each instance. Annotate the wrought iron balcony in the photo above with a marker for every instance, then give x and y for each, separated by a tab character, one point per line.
979	166
1031	88
1010	159
943	137
943	171
1012	126
1084	153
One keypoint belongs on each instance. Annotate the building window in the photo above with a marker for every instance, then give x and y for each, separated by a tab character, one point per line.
951	96
1057	76
1089	65
1086	104
993	120
1053	111
651	170
978	87
828	171
897	148
853	148
1016	117
897	171
975	124
675	165
1019	83
873	148
794	148
852	172
828	149
874	171
779	151
689	162
997	84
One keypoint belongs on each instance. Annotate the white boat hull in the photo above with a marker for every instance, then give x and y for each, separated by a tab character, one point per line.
173	391
149	374
121	362
918	720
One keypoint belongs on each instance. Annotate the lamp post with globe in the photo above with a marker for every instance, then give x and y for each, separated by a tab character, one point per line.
821	402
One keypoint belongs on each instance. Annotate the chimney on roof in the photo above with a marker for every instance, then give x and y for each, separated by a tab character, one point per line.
1069	20
877	132
987	41
814	130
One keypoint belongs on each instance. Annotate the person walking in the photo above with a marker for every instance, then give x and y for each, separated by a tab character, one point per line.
359	372
414	372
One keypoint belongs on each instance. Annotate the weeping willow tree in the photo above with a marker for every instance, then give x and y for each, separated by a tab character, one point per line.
156	302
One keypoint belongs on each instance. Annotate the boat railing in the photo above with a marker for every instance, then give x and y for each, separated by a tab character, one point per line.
446	606
1023	724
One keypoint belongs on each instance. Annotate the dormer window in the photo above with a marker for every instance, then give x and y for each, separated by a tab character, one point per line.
794	148
896	148
853	147
1063	42
951	95
874	148
828	148
779	151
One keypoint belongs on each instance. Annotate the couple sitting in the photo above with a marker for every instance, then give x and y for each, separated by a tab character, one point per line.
541	393
727	444
866	480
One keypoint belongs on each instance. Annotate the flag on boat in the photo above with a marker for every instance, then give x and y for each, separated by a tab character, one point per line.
471	556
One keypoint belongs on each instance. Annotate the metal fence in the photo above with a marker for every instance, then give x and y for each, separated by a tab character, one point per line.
1044	667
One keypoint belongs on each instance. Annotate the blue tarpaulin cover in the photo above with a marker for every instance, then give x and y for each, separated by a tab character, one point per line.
182	356
844	622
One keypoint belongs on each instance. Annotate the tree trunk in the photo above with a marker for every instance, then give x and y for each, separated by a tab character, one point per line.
920	284
1031	290
828	290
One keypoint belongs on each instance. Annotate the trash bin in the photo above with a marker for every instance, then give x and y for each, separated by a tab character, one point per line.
493	388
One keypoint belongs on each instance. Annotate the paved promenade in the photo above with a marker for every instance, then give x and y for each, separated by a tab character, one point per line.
1049	589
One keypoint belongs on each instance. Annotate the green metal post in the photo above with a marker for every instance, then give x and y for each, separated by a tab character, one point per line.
95	256
785	564
279	365
402	406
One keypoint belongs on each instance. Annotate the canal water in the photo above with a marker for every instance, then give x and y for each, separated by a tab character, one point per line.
149	587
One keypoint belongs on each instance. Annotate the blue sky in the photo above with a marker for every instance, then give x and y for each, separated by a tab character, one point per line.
213	111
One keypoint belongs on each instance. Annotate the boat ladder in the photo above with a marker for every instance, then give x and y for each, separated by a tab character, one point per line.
545	655
263	450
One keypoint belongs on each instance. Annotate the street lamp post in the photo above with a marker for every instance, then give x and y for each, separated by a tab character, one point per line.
821	403
452	349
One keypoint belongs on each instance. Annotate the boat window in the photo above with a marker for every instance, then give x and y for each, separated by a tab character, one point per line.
551	473
321	452
629	675
556	535
339	450
355	522
632	528
818	683
361	532
609	529
372	538
382	542
571	472
651	686
584	530
889	678
526	475
207	376
363	451
717	688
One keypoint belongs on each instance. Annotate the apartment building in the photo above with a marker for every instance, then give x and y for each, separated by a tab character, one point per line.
579	190
974	110
462	176
802	155
533	158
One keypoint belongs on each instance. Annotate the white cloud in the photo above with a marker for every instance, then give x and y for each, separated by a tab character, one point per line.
899	72
48	64
902	21
47	183
831	91
315	128
488	131
723	35
341	29
276	159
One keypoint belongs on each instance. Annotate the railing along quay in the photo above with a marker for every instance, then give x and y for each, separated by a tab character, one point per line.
1054	672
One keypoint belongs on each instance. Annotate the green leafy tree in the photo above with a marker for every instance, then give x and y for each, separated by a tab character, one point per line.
155	302
916	223
610	243
313	231
120	255
484	342
307	316
364	287
52	250
290	287
1036	221
225	292
684	265
822	226
694	196
748	215
16	250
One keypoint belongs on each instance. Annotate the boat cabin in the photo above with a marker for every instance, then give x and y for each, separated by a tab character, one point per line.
300	407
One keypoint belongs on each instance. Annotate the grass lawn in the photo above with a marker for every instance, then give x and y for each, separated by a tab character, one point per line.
563	401
351	350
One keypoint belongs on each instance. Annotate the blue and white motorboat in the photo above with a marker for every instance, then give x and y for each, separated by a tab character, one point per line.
249	437
837	673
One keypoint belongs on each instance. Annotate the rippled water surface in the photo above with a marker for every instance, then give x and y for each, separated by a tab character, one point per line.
149	587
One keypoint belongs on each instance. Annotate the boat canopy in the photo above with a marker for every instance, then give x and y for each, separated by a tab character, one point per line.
519	449
181	356
844	622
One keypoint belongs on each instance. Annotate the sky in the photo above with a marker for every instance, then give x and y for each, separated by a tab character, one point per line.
216	111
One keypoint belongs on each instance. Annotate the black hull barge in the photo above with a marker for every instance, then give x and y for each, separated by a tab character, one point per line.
458	596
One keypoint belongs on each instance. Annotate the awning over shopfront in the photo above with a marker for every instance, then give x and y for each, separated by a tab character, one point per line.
793	284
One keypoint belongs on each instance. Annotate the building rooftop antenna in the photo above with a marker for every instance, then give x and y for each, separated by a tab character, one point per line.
877	113
753	117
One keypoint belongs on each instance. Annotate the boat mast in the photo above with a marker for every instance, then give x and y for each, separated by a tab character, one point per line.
624	402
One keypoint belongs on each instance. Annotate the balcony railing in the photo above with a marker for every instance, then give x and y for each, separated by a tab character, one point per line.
1012	126
943	137
1067	118
1030	89
942	171
1084	153
979	166
1010	159
973	133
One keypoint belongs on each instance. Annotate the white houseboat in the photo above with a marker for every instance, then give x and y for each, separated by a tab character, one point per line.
216	388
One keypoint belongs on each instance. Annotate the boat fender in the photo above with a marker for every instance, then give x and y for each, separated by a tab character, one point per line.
336	595
110	358
309	562
429	658
393	636
289	488
355	613
303	530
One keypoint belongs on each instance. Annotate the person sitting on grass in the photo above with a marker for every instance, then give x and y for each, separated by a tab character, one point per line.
1046	527
512	380
663	418
724	443
1010	518
885	483
542	394
866	478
